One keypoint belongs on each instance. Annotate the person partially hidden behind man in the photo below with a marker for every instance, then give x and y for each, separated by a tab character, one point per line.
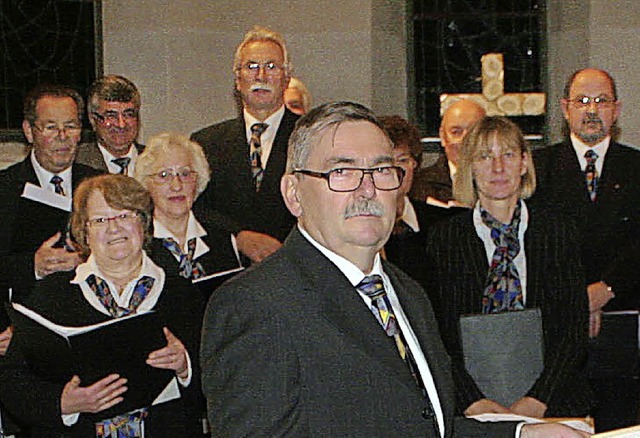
433	184
247	155
114	112
324	338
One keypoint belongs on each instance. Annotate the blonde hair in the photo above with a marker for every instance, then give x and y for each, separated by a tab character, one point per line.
477	141
163	145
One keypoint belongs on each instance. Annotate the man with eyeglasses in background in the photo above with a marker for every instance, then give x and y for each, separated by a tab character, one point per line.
114	112
247	155
594	180
35	197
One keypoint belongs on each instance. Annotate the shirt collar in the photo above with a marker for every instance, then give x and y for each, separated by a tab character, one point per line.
409	215
113	167
194	229
484	232
273	121
351	271
581	148
44	176
89	267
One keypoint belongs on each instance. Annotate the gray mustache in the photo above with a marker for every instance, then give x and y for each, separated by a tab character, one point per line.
364	207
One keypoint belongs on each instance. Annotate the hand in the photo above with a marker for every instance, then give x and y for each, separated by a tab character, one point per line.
551	430
5	339
529	407
257	246
595	321
599	295
49	259
102	395
172	357
485	406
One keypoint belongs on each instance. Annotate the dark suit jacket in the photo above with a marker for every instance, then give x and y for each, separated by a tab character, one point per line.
26	224
89	155
609	227
35	398
289	348
231	190
434	181
555	284
221	256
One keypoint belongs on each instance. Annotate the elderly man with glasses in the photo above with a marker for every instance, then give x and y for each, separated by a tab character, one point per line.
247	154
114	112
594	180
35	196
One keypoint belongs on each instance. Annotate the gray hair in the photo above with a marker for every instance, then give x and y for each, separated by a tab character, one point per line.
112	88
259	33
163	145
309	129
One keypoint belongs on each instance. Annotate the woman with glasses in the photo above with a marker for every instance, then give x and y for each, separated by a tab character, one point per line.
110	224
503	255
175	171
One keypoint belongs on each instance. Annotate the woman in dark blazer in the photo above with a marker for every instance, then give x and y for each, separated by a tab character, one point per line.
201	249
505	256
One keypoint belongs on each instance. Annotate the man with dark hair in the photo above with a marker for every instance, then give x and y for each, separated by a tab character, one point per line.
247	154
113	108
594	180
35	195
324	338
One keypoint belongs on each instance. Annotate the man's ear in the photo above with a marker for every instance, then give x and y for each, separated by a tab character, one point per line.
28	131
289	186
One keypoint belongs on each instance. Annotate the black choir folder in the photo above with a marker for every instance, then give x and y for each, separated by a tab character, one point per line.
118	346
503	352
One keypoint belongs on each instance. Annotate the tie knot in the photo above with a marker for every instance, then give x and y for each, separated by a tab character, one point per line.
56	180
258	128
591	156
372	286
123	162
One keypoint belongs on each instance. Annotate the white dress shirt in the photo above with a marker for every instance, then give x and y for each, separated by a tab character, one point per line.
580	149
113	167
267	137
44	177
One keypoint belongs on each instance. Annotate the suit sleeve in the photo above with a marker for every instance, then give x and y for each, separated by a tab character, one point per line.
250	371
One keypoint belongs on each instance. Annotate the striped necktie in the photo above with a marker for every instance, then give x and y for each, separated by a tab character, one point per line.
591	174
255	158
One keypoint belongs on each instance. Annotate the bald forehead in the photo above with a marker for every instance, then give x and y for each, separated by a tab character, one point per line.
593	80
462	113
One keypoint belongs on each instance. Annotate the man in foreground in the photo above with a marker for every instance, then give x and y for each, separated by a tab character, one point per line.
324	338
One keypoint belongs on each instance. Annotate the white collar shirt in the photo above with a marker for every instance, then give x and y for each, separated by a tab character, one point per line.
113	167
580	149
194	231
484	233
267	137
44	177
409	215
355	276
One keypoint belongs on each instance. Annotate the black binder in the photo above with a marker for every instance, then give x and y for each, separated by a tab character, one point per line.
503	352
119	346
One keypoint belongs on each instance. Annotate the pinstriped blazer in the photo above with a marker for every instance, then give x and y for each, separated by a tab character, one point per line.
555	283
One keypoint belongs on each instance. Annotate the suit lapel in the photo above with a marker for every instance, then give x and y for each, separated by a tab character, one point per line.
342	306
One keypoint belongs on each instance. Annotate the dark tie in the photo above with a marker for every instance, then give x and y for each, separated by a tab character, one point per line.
255	158
101	289
57	184
591	174
503	291
188	268
123	162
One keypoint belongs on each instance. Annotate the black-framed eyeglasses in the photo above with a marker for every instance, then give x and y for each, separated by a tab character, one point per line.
112	117
349	179
585	101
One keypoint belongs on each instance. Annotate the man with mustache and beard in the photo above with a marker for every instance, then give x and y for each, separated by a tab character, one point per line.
35	198
247	154
596	181
325	338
